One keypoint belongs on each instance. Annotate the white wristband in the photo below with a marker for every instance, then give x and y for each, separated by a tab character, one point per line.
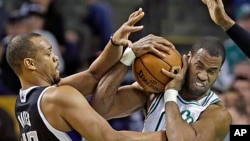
128	57
170	95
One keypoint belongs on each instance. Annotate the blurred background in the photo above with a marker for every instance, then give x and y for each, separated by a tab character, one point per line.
80	29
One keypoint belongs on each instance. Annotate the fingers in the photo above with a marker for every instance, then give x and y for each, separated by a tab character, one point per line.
163	41
152	44
158	44
185	61
135	17
178	70
135	13
173	71
128	27
131	29
159	53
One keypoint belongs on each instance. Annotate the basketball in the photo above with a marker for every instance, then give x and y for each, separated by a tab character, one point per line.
147	70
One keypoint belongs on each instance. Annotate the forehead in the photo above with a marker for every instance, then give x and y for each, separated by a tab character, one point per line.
41	43
202	56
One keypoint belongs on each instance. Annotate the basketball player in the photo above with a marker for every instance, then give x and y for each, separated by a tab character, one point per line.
187	110
239	35
49	110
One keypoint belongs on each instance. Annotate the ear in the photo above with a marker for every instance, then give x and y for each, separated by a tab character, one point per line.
29	63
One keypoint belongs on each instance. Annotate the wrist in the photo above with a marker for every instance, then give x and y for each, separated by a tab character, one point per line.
170	95
113	42
227	24
128	57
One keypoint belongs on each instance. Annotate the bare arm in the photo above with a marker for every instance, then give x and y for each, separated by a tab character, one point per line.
107	100
87	80
74	112
213	124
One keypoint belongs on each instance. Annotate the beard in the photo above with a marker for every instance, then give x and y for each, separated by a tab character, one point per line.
57	80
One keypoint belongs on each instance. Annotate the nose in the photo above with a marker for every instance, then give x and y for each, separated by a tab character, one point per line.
202	75
55	57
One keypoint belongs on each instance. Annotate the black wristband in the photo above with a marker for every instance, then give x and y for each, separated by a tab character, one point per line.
112	42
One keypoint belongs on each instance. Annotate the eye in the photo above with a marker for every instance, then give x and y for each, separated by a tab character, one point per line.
198	67
49	53
211	71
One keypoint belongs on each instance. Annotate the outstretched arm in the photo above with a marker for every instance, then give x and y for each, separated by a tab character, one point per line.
239	35
110	101
87	80
74	113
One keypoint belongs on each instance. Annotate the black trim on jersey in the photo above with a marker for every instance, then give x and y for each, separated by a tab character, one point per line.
37	123
241	37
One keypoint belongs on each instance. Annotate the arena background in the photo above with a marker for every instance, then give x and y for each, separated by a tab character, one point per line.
182	22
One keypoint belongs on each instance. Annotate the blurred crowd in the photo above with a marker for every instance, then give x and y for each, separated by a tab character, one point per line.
44	17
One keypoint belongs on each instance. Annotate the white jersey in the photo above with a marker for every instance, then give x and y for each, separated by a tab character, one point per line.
190	111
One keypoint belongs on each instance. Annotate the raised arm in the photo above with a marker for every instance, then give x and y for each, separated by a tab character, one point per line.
112	103
87	80
239	35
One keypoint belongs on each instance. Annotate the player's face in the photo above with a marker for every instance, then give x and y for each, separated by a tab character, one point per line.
202	73
46	61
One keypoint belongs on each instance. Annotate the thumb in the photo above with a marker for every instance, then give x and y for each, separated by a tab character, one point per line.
126	42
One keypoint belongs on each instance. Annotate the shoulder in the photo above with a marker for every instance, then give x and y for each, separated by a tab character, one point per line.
218	118
61	95
218	111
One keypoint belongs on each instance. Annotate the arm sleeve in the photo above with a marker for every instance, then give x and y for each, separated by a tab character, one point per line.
241	37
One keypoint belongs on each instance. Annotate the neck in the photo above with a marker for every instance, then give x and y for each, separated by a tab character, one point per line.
27	83
187	95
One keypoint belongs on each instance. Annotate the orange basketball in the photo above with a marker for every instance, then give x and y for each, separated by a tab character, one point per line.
147	70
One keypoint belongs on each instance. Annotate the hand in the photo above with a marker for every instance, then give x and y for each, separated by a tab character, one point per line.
178	74
120	37
218	14
153	44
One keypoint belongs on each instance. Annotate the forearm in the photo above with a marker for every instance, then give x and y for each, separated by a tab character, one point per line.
241	37
146	136
177	128
110	55
105	94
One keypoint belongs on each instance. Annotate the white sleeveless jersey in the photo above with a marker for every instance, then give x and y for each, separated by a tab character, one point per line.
190	111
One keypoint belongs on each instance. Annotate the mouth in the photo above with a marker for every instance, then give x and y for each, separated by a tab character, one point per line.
199	85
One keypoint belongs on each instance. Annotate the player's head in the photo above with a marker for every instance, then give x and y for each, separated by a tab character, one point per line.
207	57
30	55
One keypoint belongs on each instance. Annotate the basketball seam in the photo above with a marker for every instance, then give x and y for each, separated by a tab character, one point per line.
150	72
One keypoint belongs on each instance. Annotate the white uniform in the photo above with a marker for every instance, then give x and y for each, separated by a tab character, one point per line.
190	111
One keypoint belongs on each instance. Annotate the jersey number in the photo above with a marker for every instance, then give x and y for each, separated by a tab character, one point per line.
186	115
29	136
